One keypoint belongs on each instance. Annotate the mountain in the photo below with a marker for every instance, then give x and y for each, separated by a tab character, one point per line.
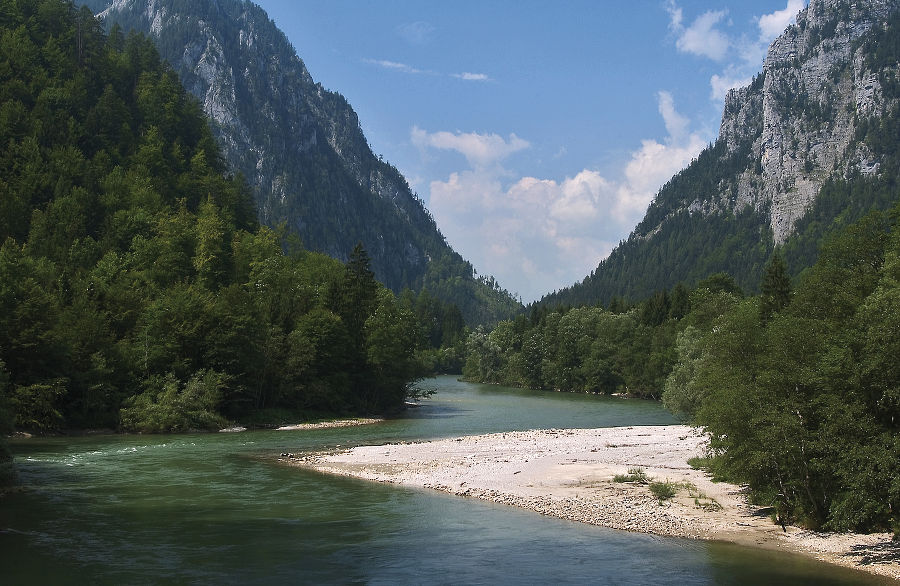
807	147
301	147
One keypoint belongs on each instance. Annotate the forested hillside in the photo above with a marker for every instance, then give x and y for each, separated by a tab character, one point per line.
302	149
804	150
137	289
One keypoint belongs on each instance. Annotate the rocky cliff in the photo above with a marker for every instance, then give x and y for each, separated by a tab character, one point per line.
801	121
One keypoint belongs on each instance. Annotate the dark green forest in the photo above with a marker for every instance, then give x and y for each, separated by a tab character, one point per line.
798	387
137	289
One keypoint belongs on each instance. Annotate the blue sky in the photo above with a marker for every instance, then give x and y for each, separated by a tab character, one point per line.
536	132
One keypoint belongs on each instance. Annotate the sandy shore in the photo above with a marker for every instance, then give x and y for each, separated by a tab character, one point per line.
569	474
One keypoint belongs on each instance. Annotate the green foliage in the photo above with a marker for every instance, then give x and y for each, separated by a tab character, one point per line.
391	334
635	476
775	290
681	394
804	405
586	350
136	289
167	405
663	491
37	406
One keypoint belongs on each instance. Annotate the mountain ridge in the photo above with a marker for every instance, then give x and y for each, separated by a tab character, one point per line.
789	136
302	149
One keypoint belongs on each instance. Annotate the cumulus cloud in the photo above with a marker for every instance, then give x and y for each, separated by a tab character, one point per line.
480	150
701	38
533	235
536	235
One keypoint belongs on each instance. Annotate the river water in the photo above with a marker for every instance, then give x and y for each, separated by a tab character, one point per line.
219	509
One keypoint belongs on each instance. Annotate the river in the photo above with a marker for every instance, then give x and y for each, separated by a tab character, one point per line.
220	509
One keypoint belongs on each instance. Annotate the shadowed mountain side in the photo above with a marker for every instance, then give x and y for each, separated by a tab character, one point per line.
302	150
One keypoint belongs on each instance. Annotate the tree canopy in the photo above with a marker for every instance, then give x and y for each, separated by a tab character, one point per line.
137	290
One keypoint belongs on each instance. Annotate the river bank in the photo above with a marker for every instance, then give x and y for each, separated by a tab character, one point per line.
569	473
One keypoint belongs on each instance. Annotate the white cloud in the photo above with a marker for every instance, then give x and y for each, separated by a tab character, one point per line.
480	150
394	66
676	16
535	235
649	168
703	38
471	76
676	124
405	68
772	25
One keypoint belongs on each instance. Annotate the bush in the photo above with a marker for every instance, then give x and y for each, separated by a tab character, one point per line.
635	475
663	491
167	406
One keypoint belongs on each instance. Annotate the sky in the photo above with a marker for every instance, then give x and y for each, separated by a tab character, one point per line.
536	132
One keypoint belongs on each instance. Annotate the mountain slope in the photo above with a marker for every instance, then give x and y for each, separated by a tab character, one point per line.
806	147
301	148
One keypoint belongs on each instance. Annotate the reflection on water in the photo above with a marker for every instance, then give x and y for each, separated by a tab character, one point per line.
213	509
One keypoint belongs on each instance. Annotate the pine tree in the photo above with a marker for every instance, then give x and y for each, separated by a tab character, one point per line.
359	291
775	287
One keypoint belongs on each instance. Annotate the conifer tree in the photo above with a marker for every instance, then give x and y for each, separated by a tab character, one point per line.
775	287
358	297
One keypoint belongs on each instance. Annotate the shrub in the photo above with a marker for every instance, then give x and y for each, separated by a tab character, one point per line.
635	475
663	491
166	405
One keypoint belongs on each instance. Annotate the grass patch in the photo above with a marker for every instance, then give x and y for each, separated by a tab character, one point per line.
635	475
663	491
666	490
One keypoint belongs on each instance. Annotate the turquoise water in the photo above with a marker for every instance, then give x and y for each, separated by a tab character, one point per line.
219	509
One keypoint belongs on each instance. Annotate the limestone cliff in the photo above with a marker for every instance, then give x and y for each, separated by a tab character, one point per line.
801	121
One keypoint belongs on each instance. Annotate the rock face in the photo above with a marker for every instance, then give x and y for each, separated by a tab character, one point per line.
798	118
299	145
